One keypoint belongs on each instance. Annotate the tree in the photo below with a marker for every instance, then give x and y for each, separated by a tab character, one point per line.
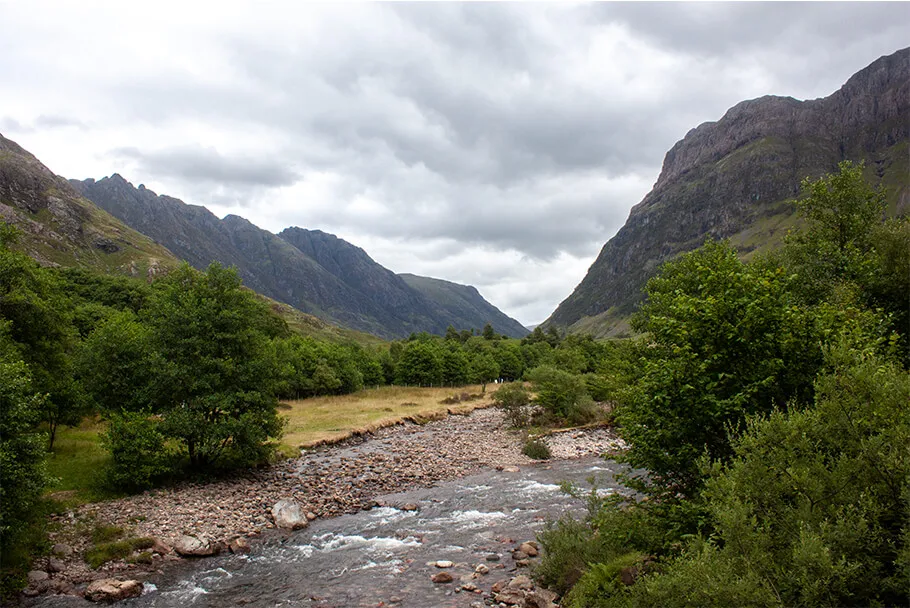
215	380
488	333
41	329
726	342
454	367
563	395
420	364
22	466
483	369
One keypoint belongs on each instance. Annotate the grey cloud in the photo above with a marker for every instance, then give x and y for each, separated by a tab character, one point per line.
195	163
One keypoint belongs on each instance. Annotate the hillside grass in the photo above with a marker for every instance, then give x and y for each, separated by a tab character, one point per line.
321	420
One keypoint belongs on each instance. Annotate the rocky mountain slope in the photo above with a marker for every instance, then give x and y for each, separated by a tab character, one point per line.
733	179
464	305
60	228
312	271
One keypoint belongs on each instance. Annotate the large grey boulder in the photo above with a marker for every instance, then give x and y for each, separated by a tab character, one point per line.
289	514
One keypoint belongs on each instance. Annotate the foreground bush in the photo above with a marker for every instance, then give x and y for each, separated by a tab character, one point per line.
810	511
513	399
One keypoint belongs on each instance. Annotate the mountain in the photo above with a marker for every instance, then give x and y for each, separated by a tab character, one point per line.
734	179
464	305
61	228
310	270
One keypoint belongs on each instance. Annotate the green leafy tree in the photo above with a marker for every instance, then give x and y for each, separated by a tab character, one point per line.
488	333
115	364
420	364
41	328
483	369
727	342
215	379
562	395
22	466
454	367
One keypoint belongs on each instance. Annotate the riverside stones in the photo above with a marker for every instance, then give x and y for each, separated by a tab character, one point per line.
289	514
442	577
112	590
191	546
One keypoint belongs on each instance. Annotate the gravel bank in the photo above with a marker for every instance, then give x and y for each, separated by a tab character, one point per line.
327	481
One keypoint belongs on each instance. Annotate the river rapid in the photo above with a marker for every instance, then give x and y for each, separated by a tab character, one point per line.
386	556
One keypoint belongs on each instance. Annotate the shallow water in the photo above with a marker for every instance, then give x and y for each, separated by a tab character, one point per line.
383	556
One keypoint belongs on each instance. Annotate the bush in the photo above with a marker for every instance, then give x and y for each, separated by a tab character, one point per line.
139	455
102	553
513	400
536	449
561	395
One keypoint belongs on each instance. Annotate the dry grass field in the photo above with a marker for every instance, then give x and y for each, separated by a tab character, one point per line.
326	419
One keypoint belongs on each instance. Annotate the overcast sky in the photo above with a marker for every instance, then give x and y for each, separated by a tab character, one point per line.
499	145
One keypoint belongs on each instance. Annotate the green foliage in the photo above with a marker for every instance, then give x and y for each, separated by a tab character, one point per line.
726	341
40	326
115	363
22	467
483	369
600	581
536	449
139	453
562	396
513	399
421	364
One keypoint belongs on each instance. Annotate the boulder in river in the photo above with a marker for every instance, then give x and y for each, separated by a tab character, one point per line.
289	514
191	546
112	590
239	545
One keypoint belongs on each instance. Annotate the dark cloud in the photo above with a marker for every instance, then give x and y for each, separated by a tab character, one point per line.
195	163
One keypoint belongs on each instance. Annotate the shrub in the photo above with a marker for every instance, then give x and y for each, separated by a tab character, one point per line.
513	400
102	553
139	455
560	394
536	449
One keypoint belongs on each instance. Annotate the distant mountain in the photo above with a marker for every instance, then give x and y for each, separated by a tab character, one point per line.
312	271
464	305
733	179
61	228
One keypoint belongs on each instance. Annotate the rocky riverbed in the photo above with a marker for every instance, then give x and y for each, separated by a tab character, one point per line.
324	482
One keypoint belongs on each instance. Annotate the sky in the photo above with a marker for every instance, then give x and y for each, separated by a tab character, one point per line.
496	145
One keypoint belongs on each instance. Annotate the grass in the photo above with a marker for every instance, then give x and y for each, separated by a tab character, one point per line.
77	460
326	419
102	553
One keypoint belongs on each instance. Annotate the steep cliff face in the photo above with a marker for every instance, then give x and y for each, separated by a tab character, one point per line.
734	179
464	306
60	227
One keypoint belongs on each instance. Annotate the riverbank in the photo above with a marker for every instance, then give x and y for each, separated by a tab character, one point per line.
327	481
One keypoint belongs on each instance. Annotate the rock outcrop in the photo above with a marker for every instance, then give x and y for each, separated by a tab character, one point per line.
733	179
112	590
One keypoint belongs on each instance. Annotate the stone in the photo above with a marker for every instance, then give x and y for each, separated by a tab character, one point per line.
482	569
442	577
499	586
160	547
239	546
521	582
540	598
529	549
289	515
410	507
62	549
55	564
191	546
492	557
519	555
310	516
37	576
511	470
510	597
443	563
112	590
522	563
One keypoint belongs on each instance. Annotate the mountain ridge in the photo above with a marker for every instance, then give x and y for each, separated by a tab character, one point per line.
733	178
313	271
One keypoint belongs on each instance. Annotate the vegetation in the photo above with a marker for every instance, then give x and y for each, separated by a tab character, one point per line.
769	403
